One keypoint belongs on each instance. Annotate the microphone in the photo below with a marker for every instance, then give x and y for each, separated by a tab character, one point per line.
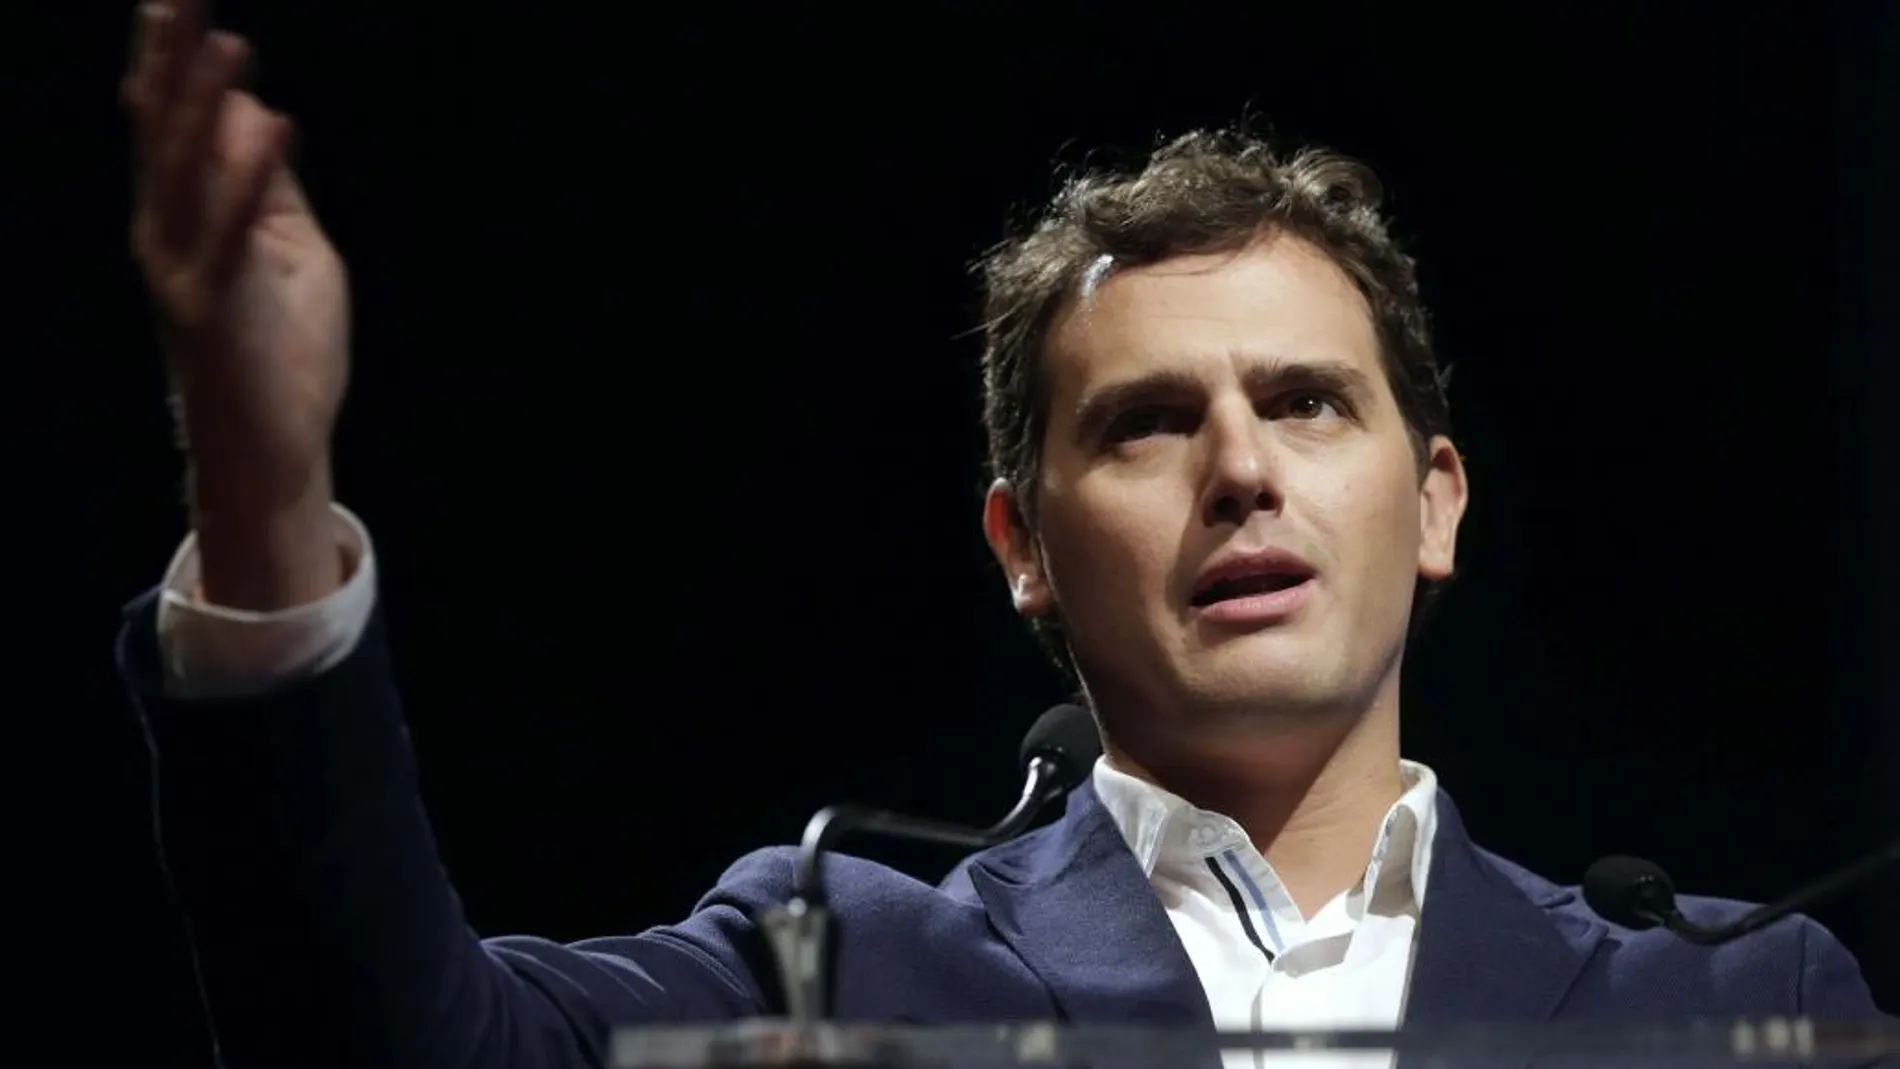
1056	755
1636	893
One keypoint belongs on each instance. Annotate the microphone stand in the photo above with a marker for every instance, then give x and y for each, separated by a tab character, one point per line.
1802	898
801	933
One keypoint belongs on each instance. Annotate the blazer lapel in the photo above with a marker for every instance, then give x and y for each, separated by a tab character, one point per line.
1489	948
1075	906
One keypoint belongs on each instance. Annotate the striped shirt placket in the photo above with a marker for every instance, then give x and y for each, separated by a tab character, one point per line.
1271	945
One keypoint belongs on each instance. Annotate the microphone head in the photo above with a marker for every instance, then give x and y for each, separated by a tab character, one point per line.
1629	891
1066	735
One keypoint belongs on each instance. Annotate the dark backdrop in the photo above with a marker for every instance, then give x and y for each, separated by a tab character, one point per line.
665	424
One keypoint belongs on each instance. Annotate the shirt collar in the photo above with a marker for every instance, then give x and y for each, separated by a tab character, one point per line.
1163	829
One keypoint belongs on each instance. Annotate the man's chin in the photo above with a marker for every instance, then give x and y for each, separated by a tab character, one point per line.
1263	671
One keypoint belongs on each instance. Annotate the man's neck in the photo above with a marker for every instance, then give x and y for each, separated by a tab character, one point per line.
1311	797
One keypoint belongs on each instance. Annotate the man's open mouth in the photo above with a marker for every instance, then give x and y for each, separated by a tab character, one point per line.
1244	586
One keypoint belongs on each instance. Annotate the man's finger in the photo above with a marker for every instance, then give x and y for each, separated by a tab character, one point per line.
177	35
177	26
250	171
185	172
138	65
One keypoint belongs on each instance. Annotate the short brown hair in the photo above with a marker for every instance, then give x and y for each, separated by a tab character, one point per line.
1205	192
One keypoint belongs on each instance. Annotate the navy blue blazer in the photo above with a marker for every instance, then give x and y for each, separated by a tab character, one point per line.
327	933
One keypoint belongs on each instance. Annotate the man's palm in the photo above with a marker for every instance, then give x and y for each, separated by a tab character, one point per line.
273	360
253	296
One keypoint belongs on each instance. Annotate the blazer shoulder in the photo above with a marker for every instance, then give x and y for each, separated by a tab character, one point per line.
880	915
1006	860
1567	900
1771	970
858	890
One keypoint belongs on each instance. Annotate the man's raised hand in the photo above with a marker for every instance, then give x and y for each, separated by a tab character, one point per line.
254	309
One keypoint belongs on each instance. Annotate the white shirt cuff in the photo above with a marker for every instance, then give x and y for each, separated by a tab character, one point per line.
212	652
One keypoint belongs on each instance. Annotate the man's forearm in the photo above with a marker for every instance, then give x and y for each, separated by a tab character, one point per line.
272	562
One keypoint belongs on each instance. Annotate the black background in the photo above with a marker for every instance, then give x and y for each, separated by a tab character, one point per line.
665	425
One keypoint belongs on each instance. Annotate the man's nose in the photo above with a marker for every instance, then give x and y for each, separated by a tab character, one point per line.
1242	467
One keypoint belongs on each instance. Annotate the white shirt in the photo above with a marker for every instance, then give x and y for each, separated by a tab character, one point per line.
1264	966
212	651
1261	963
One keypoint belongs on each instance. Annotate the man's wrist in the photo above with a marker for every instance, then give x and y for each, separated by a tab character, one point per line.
271	560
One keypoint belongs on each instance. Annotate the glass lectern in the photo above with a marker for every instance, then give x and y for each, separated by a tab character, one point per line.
762	1043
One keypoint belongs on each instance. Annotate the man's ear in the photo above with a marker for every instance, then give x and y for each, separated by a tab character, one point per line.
1014	545
1442	497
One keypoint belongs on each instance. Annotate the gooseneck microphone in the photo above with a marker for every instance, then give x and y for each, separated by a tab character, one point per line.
1638	894
1056	755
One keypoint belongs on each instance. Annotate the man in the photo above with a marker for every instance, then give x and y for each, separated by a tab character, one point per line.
1223	484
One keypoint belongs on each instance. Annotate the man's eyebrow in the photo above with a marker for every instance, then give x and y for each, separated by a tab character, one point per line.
1102	404
1098	406
1334	376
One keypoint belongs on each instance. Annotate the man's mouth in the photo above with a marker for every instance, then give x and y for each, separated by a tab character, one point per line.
1251	589
1245	586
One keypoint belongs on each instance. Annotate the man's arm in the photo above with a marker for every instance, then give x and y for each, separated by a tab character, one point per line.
288	816
325	929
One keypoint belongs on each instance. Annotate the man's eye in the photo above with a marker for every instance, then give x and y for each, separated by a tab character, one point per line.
1309	406
1141	423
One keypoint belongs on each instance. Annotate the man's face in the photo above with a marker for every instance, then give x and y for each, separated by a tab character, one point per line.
1228	409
